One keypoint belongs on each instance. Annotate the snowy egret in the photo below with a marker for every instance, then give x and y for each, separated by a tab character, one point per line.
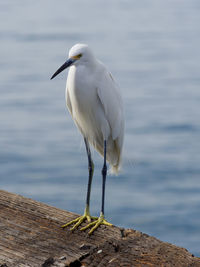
95	104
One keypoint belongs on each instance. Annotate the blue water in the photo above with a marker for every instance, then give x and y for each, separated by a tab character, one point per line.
152	49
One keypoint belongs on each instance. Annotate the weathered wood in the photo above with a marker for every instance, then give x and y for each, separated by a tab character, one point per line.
30	235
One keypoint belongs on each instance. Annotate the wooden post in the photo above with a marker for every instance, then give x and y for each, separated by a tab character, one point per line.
31	236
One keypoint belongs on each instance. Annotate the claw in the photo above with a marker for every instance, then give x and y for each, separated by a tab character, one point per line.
96	224
80	219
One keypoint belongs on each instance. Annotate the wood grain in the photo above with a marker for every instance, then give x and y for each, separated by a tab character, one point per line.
30	235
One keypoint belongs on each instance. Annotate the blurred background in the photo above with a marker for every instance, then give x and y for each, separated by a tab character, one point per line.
152	50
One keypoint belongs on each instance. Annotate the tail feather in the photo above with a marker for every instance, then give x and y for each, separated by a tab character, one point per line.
113	155
115	169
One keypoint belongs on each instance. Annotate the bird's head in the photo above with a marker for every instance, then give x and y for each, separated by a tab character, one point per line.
78	54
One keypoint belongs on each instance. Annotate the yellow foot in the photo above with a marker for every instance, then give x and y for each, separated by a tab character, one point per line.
96	224
80	220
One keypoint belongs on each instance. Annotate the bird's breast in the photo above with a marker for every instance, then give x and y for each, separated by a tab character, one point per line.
86	108
81	88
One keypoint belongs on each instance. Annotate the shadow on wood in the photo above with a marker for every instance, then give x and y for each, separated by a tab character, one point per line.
30	235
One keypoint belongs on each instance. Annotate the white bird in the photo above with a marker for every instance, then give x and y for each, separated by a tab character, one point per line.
95	104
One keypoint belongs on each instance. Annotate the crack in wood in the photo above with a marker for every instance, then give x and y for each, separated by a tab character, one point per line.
31	235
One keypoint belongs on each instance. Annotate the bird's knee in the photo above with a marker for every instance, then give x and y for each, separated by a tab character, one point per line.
91	167
104	170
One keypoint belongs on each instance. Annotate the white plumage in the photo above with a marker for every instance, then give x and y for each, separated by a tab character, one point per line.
94	101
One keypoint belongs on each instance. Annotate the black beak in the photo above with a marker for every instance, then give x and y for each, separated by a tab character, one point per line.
63	67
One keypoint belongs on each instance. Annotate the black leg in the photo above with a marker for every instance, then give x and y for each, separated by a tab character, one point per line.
91	170
95	224
86	215
104	173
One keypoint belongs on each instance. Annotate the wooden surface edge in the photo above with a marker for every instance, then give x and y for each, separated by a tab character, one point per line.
31	235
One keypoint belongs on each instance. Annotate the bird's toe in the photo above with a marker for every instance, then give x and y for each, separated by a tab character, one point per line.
78	221
95	224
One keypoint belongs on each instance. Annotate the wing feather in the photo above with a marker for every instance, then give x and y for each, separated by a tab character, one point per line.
108	93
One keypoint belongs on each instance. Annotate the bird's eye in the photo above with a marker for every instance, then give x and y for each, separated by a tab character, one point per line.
77	56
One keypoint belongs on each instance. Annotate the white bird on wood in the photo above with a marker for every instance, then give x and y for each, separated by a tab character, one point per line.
95	104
